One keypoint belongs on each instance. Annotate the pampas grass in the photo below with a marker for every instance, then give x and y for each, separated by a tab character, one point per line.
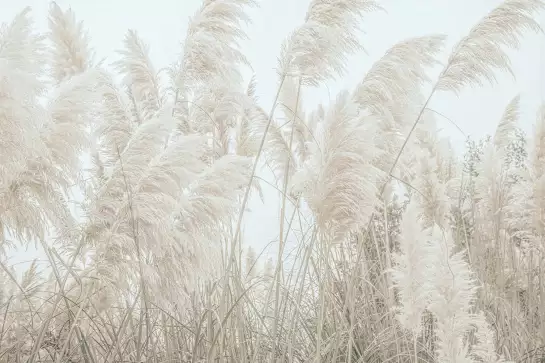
393	256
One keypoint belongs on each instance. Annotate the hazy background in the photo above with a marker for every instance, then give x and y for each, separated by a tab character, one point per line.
162	24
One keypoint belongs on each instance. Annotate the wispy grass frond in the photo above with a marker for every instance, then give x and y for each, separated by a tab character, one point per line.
318	50
507	124
485	348
116	128
20	117
72	109
133	161
400	71
339	181
452	293
213	196
21	46
537	151
70	53
249	127
212	45
140	75
206	212
409	274
391	90
527	207
478	55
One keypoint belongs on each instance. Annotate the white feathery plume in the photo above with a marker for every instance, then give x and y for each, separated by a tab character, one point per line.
494	197
211	57
507	124
537	158
97	168
211	48
400	71
313	121
290	98
492	193
212	197
70	53
206	211
215	111
248	121
450	167
440	148
174	168
338	181
140	75
155	195
137	204
21	66
480	53
291	101
431	185
303	125
250	264
278	153
248	128
318	50
116	128
390	90
146	142
72	113
31	183
252	125
527	211
484	350
34	199
20	217
452	292
22	48
72	106
199	111
410	271
20	119
225	114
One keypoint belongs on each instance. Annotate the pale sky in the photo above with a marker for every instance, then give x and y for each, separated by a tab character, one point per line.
162	24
